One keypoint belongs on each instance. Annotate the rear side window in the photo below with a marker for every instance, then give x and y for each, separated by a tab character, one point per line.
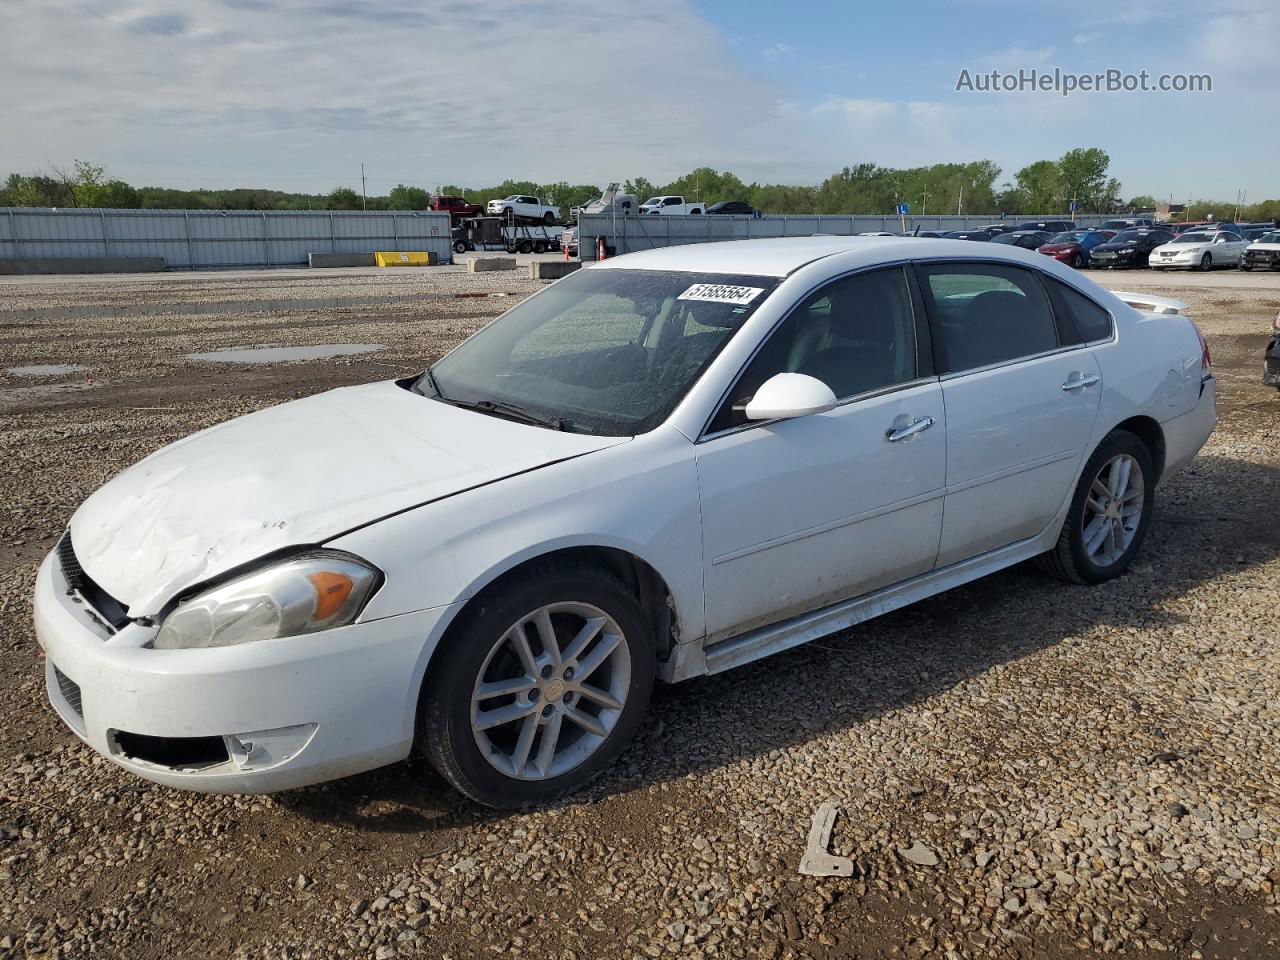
1090	321
988	313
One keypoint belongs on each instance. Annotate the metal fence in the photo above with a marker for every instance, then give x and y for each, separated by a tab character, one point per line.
629	234
211	239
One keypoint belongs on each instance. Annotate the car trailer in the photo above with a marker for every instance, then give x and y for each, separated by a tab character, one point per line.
487	233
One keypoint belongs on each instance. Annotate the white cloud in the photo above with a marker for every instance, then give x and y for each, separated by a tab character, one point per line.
1014	57
777	51
296	93
860	111
1084	39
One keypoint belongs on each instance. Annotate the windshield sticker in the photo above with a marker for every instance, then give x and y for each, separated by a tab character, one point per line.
721	293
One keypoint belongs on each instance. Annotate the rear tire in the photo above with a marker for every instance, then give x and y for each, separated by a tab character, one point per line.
1109	515
587	695
548	218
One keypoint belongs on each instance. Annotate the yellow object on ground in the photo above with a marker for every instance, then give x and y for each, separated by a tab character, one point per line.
405	259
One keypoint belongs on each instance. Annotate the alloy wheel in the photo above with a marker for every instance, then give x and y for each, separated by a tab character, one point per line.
1113	510
550	691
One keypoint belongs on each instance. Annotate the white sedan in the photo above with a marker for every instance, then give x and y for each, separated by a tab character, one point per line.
663	466
1199	250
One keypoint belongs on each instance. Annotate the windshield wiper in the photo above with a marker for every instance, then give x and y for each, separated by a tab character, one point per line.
512	412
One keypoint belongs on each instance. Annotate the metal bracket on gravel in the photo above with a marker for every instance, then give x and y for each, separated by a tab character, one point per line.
817	860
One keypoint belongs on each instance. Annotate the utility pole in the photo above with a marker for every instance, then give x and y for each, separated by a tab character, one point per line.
960	201
364	197
924	204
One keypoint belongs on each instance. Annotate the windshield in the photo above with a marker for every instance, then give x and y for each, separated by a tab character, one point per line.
1195	236
1006	238
1272	236
1129	236
607	352
652	202
1073	237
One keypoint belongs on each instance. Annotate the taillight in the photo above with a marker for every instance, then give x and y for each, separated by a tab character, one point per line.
1206	363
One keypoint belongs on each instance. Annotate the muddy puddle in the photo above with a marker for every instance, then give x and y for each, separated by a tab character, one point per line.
285	354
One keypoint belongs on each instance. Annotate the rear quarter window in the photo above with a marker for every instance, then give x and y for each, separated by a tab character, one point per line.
1077	313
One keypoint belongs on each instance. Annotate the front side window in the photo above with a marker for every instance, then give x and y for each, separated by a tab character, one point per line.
989	313
856	334
607	352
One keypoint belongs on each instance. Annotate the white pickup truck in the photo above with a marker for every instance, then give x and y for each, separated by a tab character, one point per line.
524	207
670	205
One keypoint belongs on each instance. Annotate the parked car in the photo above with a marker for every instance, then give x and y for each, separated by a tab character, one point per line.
1072	246
994	228
524	207
1199	250
875	233
642	470
1271	362
458	207
927	234
1124	223
737	208
1049	226
1199	225
670	205
1129	248
1252	231
970	235
1263	252
1026	239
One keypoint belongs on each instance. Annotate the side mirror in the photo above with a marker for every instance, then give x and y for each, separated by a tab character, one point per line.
787	395
1222	240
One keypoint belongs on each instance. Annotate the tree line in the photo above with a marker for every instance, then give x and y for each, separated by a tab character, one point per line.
1046	186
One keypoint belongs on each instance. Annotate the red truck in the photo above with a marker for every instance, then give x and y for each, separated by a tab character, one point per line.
457	206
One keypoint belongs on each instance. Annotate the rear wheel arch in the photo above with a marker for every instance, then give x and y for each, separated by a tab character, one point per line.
1151	434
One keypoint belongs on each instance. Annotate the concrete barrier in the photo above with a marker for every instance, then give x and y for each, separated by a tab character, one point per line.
397	258
32	265
340	259
485	264
552	269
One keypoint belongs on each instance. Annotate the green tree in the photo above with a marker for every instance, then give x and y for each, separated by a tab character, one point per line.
1083	176
1141	202
408	198
1040	185
342	198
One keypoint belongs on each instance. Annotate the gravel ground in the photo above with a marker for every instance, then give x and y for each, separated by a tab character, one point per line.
1023	769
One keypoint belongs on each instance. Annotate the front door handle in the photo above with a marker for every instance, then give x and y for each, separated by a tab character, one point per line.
1078	381
919	425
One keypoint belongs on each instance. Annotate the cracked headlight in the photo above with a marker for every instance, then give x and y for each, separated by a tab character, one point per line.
287	599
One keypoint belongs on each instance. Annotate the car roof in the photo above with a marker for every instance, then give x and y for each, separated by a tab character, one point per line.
780	256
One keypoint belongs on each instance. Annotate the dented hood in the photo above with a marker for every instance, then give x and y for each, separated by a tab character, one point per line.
291	475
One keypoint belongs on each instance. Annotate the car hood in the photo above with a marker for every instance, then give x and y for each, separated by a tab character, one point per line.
1057	247
296	474
1113	247
1187	244
1264	246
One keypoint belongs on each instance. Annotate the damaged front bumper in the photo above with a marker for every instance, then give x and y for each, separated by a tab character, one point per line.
253	718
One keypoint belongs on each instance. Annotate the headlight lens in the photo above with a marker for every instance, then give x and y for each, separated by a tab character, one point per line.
298	596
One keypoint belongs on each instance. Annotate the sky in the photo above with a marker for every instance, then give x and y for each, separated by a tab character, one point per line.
295	94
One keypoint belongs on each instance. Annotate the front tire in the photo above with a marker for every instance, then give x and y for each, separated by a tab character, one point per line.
1206	263
1109	515
548	218
1077	261
539	688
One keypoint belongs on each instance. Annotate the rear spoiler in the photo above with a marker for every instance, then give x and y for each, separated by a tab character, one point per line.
1151	303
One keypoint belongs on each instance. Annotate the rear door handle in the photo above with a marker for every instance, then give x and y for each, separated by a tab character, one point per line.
919	425
1078	381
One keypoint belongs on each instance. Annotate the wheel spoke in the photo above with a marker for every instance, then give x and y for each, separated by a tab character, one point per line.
599	654
518	640
586	721
521	755
1099	488
547	634
547	748
1130	495
579	643
489	719
1094	505
602	697
1094	534
501	688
